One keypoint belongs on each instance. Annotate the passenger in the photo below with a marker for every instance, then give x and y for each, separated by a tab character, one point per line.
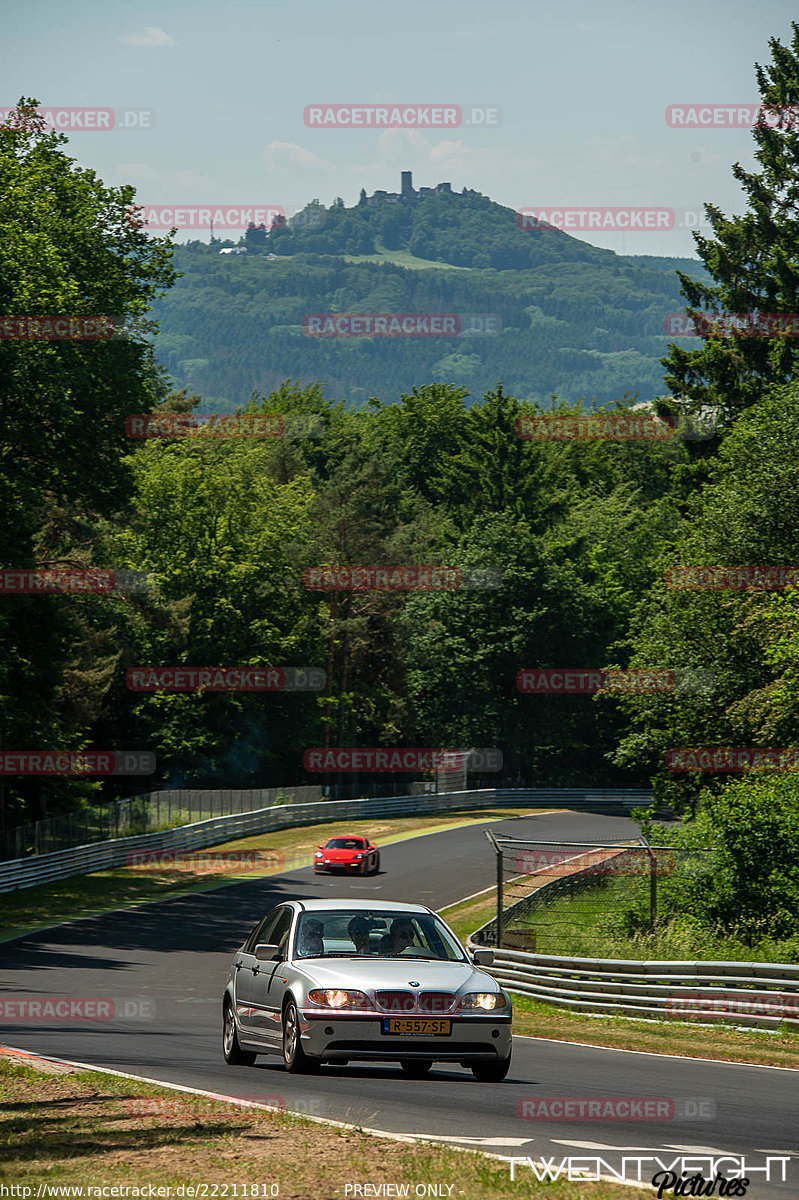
358	929
399	937
311	943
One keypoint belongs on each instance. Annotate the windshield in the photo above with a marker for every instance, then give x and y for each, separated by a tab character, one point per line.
351	933
345	844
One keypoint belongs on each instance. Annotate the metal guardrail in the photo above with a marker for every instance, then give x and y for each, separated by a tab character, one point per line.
677	990
101	856
671	989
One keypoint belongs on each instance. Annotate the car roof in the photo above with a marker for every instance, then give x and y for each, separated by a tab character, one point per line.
360	905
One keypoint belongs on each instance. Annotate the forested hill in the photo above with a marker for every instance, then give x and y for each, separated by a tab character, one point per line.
564	316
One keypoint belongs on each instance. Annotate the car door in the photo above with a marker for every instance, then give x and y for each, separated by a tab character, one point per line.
267	983
248	969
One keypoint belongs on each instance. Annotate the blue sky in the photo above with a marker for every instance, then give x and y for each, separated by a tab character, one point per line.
582	90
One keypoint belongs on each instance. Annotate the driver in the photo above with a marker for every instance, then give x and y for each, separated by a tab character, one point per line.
398	938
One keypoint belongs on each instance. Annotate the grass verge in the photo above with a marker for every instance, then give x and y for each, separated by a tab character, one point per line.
105	891
88	1129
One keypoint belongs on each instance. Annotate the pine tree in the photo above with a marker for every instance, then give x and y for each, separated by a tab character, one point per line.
754	261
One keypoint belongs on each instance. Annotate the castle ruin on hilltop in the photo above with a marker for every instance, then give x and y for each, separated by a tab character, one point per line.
407	192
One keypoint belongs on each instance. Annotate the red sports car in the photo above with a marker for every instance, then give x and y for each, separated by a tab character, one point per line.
348	852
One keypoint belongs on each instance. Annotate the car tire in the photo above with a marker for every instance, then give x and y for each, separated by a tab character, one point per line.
417	1068
234	1055
491	1072
376	867
295	1059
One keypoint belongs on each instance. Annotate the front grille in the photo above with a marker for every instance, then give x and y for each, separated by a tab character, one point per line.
436	1002
396	1001
415	1002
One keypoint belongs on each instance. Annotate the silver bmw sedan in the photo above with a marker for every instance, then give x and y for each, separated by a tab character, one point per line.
327	981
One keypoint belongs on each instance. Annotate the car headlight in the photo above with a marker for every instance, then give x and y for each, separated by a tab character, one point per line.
357	856
487	1001
319	854
339	998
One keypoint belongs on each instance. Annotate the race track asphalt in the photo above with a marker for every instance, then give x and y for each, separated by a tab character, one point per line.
165	965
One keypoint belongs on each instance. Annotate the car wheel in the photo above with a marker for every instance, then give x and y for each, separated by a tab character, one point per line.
295	1058
376	867
363	866
417	1068
234	1055
491	1072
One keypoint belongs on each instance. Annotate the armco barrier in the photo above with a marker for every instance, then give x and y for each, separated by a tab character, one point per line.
100	856
670	990
665	989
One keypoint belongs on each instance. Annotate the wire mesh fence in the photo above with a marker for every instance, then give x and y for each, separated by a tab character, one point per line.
142	814
575	898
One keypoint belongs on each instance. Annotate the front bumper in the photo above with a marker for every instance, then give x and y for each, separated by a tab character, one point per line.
331	1038
349	868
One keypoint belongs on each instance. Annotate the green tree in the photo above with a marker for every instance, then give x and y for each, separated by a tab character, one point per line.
753	260
68	247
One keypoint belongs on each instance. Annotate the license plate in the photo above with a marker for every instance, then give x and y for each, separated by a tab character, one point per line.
414	1027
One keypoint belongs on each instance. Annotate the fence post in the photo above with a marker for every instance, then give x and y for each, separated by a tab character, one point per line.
653	885
500	881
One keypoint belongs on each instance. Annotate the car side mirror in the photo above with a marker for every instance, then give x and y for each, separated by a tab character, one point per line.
266	952
483	958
